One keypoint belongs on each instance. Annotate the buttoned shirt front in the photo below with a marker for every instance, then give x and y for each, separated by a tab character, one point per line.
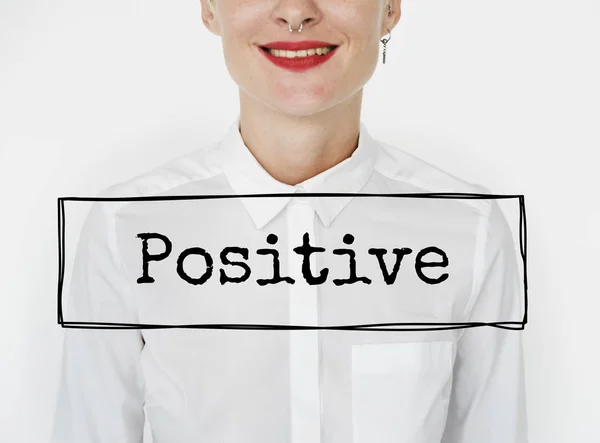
221	352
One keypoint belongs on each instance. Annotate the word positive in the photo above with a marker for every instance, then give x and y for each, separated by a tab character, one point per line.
305	250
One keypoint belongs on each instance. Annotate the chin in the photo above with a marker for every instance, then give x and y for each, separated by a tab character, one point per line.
295	97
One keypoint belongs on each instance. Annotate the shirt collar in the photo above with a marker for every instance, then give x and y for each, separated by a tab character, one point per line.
247	176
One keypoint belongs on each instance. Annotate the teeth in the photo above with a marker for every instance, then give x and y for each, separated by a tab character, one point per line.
300	54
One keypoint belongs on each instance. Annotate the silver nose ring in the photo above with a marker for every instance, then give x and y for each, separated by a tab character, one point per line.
291	30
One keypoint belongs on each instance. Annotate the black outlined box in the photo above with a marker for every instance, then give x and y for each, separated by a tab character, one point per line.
504	323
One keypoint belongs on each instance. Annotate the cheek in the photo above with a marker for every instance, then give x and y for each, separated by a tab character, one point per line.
245	20
357	19
241	29
240	58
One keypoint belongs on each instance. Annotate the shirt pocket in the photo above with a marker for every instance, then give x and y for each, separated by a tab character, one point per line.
400	391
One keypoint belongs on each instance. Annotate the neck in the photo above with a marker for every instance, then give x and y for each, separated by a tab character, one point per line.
294	148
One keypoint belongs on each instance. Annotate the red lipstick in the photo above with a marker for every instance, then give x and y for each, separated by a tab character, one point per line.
297	46
298	64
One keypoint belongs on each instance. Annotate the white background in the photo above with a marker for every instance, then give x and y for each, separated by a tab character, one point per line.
501	93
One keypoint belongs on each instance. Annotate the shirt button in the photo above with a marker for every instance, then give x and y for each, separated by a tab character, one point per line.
299	189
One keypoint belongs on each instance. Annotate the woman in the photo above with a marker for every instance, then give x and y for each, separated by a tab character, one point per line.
298	354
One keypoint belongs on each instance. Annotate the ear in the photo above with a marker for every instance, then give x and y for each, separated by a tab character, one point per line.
390	21
209	16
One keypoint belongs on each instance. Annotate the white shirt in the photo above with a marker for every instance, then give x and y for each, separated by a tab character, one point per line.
420	383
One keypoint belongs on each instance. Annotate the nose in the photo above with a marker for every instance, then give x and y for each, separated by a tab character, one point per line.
293	13
295	25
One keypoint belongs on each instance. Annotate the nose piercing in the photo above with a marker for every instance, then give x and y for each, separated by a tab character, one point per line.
291	30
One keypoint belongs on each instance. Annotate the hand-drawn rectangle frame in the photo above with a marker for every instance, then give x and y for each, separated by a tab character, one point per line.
514	325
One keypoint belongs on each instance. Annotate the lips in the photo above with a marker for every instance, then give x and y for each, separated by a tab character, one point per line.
297	46
300	63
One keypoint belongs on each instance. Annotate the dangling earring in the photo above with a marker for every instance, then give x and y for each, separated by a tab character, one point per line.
384	41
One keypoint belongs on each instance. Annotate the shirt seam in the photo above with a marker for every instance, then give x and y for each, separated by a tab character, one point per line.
426	186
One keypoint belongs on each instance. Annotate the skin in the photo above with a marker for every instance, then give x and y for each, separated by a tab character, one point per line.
299	124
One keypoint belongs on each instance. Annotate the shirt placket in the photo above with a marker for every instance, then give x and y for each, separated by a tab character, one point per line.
304	343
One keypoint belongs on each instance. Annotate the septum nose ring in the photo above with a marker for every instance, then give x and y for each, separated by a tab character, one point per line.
291	30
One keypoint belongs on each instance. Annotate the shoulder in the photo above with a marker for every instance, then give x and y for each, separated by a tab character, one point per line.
416	175
419	176
496	253
399	164
195	166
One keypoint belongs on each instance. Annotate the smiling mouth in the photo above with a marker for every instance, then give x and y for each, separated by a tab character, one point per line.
299	54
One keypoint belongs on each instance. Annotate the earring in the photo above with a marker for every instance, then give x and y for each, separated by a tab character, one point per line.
384	41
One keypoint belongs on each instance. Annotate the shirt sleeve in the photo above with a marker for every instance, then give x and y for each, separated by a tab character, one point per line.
101	389
488	402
